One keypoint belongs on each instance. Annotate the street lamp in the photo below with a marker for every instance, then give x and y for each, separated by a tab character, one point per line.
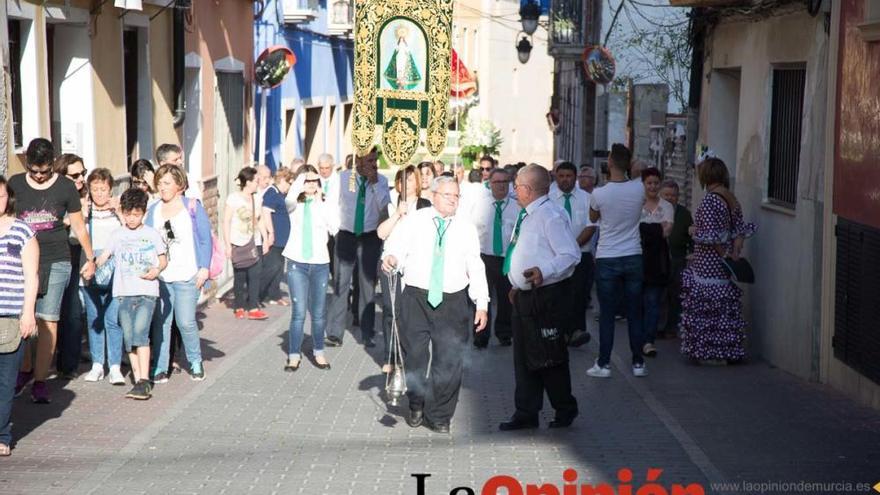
529	13
524	48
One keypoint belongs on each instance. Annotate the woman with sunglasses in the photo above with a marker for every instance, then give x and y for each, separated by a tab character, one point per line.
70	326
308	268
186	230
43	199
143	177
241	225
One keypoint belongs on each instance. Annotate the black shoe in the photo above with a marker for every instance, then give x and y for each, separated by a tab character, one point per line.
579	338
415	418
505	342
481	345
68	375
333	341
368	342
325	366
292	367
518	424
436	427
562	421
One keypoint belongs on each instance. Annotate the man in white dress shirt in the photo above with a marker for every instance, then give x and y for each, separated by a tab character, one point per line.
540	261
444	277
494	216
363	204
576	203
330	186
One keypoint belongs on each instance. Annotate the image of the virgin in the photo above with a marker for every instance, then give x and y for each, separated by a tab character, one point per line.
402	70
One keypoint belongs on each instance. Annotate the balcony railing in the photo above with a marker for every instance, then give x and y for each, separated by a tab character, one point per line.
300	11
340	21
566	22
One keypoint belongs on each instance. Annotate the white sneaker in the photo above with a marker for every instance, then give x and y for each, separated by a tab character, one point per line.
96	374
600	371
640	370
116	377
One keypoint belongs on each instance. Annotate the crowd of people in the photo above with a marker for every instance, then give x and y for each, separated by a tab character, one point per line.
512	251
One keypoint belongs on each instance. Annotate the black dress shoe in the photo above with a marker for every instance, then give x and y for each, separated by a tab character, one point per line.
436	427
368	342
481	345
325	366
518	424
504	342
579	338
333	342
563	421
415	418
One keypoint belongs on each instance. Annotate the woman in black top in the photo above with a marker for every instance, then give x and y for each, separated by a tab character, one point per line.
405	202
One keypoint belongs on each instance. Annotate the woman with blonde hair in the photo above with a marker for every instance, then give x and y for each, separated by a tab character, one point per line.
712	327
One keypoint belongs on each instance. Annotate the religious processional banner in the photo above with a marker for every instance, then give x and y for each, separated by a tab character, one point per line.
401	76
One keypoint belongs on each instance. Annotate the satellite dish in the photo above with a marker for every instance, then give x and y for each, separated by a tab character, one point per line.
599	65
273	65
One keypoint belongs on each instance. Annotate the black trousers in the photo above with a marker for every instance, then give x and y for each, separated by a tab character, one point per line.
445	331
351	250
499	307
387	315
246	286
581	284
272	274
531	385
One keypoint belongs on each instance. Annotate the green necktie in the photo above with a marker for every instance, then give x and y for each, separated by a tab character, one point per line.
568	204
506	268
497	241
326	185
435	287
361	203
307	230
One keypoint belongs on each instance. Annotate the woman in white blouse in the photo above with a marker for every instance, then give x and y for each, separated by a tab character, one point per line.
308	267
655	253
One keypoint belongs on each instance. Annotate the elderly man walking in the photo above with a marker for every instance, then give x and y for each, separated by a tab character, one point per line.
540	260
439	255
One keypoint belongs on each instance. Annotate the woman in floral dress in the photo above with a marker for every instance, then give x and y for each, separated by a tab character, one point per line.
712	323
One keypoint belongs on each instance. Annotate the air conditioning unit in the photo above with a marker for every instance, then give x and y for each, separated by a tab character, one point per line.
128	4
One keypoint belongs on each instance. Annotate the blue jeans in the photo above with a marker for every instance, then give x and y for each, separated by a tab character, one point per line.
177	301
619	281
102	317
135	315
9	364
652	296
308	289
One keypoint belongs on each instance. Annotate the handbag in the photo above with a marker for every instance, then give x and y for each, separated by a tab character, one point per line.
10	334
245	256
218	257
739	270
543	333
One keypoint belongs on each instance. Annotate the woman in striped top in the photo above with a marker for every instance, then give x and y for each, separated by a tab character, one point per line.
19	255
308	267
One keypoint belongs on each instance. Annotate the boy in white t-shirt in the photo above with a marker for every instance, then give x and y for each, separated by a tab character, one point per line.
617	208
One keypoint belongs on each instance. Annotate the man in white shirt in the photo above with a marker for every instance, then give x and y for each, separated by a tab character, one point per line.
617	207
330	186
363	204
495	215
439	255
576	204
539	264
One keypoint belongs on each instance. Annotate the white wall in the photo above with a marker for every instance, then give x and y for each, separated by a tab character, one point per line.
74	105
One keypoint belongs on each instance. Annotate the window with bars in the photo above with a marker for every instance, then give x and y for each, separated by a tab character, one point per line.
786	118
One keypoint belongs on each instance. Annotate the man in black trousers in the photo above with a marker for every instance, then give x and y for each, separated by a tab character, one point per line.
439	255
539	264
363	204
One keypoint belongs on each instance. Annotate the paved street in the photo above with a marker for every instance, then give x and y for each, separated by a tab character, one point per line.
251	428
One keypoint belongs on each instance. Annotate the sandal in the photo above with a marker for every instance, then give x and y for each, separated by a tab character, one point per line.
5	451
322	366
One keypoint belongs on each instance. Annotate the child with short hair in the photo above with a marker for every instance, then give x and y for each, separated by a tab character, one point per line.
140	258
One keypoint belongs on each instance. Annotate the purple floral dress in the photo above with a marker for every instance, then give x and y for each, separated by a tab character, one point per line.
711	321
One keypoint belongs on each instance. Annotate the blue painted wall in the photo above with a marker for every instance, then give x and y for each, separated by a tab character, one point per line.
324	67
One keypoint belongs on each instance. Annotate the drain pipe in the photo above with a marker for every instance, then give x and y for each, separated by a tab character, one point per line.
179	68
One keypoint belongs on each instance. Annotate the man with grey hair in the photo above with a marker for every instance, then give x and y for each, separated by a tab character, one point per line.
587	178
444	278
494	215
540	260
330	186
170	154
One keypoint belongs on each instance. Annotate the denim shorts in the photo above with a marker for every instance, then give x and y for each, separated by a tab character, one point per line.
135	316
48	306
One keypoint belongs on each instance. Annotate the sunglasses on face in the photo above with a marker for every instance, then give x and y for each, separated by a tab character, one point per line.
313	181
76	176
169	232
35	172
485	169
